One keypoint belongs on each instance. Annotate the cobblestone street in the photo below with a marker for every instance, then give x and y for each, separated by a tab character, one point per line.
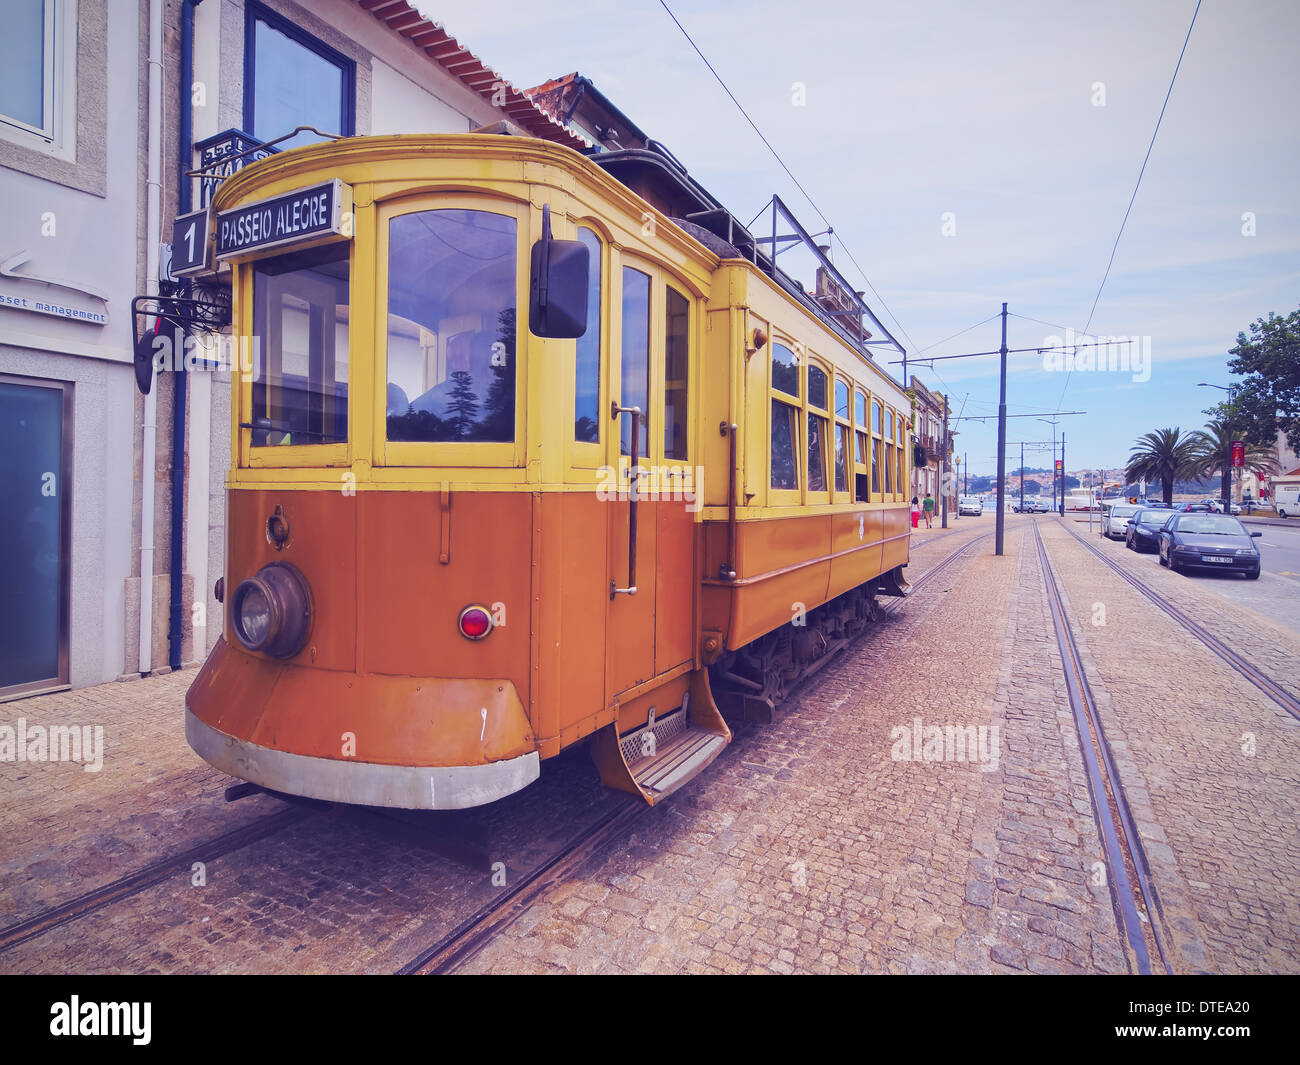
920	805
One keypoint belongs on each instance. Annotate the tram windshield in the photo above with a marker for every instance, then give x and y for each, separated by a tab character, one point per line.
451	326
300	361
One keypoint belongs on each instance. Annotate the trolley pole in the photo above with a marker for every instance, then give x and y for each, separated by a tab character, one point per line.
1002	440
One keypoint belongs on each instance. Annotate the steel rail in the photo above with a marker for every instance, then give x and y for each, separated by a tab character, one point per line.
134	883
1110	806
1247	669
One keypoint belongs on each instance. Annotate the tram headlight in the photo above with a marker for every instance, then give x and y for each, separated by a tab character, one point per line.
271	611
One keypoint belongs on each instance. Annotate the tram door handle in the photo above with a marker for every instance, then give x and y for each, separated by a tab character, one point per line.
634	475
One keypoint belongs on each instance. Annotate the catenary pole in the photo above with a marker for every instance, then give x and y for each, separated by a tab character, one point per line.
1002	439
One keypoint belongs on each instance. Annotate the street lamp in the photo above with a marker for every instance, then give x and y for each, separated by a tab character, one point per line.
1229	428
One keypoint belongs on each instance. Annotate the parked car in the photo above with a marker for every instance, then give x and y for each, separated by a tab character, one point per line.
1143	531
1209	541
971	505
1115	522
1197	508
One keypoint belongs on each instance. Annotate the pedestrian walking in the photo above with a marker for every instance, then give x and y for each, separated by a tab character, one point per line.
916	512
928	504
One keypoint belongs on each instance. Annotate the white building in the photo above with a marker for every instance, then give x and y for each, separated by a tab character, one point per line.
84	226
72	151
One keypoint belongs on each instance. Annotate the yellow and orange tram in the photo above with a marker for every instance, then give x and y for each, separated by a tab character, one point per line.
461	538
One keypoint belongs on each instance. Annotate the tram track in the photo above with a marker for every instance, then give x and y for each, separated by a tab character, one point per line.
473	934
1136	902
1245	668
125	887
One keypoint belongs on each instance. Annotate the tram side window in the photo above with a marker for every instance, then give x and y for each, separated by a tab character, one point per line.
785	433
636	357
586	389
676	369
816	453
451	327
843	437
862	481
816	430
876	444
889	450
300	366
785	418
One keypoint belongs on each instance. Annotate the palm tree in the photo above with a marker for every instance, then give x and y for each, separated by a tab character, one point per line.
1214	454
1164	455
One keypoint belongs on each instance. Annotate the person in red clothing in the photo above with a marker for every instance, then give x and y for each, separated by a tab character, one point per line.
916	512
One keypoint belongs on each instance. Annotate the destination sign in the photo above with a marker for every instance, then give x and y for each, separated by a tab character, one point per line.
304	215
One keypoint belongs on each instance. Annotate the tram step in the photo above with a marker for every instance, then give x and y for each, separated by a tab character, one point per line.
676	761
660	756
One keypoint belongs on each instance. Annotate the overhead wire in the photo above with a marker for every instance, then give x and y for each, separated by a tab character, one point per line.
789	173
1128	210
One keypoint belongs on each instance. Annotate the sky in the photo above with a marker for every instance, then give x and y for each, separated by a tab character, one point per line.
968	154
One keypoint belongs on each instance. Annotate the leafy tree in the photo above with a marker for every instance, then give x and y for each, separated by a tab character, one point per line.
1164	455
1032	488
1269	398
1214	450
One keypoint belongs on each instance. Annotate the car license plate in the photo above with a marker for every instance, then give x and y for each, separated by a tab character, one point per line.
1214	558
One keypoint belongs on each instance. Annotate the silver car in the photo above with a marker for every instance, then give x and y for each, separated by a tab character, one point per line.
1115	523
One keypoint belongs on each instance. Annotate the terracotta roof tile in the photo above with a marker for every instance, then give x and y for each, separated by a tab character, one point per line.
442	48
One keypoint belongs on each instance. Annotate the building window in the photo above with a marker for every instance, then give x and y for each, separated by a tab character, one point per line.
27	67
38	62
291	79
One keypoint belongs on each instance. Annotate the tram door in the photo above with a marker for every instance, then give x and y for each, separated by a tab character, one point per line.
650	632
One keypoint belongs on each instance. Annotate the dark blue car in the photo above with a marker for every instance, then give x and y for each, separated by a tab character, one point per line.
1209	541
1144	529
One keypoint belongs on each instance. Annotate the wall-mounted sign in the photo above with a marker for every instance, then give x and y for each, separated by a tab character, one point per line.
225	154
190	244
35	296
311	215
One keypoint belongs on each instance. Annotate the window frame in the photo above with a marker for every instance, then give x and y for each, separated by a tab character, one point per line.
57	138
862	435
255	11
466	454
819	495
664	478
585	454
294	456
788	496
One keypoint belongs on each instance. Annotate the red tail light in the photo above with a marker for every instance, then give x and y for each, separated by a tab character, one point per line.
474	622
